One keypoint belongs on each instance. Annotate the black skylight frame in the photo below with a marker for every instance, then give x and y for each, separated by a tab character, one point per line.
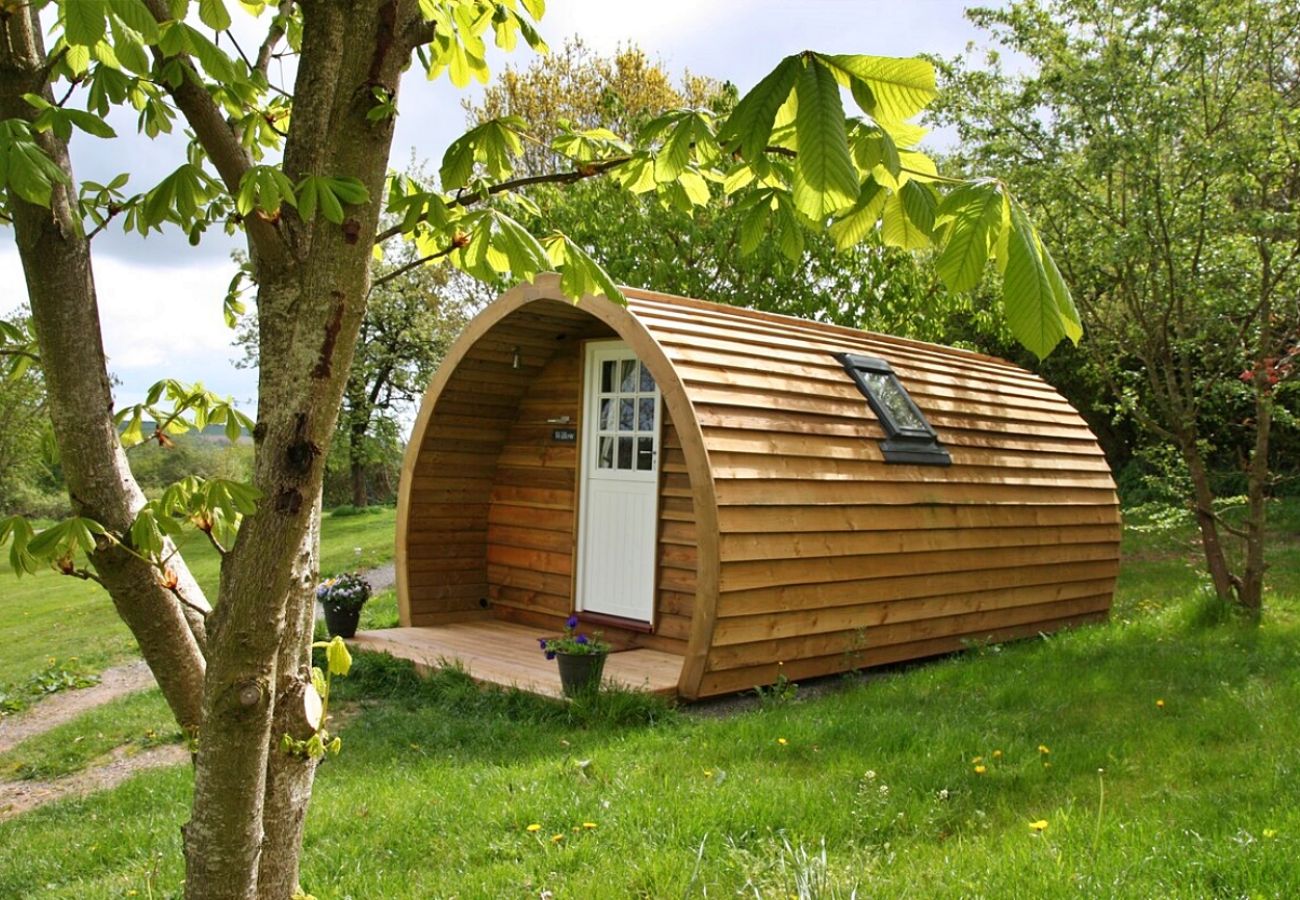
915	444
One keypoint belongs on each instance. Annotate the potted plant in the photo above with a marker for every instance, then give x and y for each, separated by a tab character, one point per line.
342	597
581	658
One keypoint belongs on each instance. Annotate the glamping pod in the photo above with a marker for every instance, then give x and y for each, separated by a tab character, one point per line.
724	492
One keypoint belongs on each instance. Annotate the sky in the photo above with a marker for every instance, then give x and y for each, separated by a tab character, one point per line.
160	299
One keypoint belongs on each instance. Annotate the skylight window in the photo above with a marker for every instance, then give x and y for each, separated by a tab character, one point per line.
908	436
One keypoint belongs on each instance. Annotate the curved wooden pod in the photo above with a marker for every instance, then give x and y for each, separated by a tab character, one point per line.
807	548
456	492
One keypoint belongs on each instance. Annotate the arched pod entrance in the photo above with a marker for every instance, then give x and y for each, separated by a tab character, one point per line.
491	495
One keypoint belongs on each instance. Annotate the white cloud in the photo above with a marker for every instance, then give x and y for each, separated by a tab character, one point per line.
158	321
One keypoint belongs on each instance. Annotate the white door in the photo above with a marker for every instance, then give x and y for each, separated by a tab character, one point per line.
620	484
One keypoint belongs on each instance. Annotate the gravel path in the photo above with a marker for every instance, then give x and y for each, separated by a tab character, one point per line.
67	705
382	577
18	797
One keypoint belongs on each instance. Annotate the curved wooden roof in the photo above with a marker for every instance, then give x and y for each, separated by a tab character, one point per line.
807	538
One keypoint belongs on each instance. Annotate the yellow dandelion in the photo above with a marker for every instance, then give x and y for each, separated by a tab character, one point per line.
708	773
980	770
1043	749
1047	765
556	838
782	741
1160	704
1270	833
977	760
997	754
588	824
534	827
1040	825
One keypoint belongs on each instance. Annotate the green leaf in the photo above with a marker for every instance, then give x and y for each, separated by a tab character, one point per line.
213	13
919	203
898	229
824	178
853	226
338	658
146	536
90	123
695	188
136	16
83	21
24	167
750	124
18	533
525	254
134	432
214	59
675	153
888	88
580	275
975	214
1028	292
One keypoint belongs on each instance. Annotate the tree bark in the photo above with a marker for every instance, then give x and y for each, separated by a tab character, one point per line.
57	264
289	778
357	463
1216	557
1251	592
309	312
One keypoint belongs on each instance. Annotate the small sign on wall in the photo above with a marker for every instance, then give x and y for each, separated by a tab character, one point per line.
564	435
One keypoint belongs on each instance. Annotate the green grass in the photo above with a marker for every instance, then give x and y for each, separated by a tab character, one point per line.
52	616
874	787
136	721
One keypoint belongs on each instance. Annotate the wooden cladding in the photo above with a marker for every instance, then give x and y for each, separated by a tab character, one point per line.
783	534
829	556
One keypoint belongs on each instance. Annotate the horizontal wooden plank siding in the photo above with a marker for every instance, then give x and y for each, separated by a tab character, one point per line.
832	558
531	518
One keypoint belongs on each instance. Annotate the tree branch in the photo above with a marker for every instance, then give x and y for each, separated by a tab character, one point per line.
217	138
588	170
415	264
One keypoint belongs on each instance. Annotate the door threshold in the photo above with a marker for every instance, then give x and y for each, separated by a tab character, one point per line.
595	618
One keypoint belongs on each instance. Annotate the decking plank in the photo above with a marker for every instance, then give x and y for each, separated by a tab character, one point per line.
507	654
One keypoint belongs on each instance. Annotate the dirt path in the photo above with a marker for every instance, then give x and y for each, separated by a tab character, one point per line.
67	705
18	797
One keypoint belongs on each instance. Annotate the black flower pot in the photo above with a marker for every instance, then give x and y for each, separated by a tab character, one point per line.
580	672
342	620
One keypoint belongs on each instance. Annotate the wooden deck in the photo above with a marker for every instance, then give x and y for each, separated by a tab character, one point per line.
507	654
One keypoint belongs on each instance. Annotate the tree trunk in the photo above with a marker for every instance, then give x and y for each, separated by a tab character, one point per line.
309	312
289	777
56	261
1251	591
357	463
1216	558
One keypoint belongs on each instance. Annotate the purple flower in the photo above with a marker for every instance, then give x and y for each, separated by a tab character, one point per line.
572	623
550	654
541	642
581	639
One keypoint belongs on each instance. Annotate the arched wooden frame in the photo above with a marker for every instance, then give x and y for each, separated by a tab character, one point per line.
680	410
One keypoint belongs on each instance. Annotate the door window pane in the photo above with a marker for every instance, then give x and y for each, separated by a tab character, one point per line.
625	453
647	381
645	414
606	415
627	380
625	415
645	454
607	376
606	457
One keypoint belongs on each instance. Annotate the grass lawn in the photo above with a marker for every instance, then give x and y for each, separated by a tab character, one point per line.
1159	756
52	616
